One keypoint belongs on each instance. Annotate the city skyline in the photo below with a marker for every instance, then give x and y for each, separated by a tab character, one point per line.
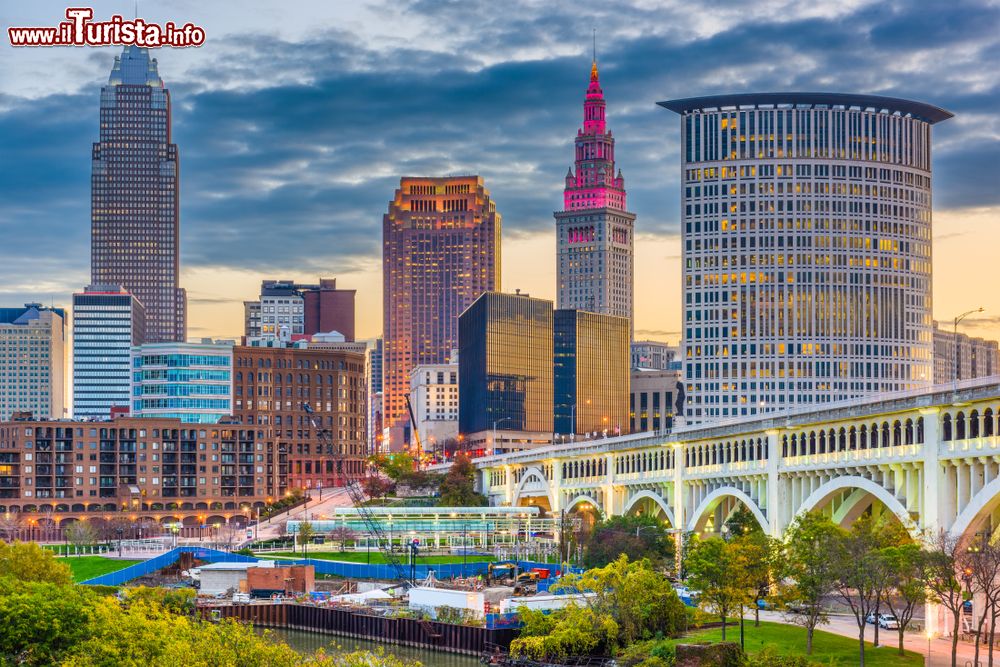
243	139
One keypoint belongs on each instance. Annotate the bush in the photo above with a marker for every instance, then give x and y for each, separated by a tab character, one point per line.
770	658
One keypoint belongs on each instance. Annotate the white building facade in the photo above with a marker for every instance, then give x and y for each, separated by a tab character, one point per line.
807	249
107	322
434	398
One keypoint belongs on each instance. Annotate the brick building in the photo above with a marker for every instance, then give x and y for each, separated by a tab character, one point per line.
270	387
139	466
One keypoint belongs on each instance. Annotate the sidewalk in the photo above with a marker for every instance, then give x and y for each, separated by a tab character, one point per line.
940	648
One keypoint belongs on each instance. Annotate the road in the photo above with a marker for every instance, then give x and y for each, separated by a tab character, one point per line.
337	497
940	649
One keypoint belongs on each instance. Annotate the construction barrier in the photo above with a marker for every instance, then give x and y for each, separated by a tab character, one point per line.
159	562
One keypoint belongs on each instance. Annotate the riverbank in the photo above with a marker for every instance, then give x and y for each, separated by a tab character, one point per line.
307	642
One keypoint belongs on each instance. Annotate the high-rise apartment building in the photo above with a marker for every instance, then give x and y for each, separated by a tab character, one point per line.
958	356
807	249
441	250
287	311
506	372
591	377
272	384
192	382
135	195
32	361
107	323
594	229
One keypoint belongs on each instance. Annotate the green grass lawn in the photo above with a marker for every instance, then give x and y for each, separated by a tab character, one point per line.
88	567
377	558
828	648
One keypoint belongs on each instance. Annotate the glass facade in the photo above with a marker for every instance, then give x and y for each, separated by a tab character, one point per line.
441	250
186	381
107	323
135	195
506	364
807	250
592	371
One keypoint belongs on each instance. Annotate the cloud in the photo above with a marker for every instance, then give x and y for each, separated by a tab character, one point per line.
290	150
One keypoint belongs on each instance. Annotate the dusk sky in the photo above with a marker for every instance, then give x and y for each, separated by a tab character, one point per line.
296	120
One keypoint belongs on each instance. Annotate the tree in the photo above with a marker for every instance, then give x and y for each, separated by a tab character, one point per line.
906	584
342	534
760	556
10	526
944	563
458	488
41	620
743	522
375	486
621	603
81	533
715	569
856	556
26	561
305	534
983	571
636	537
809	543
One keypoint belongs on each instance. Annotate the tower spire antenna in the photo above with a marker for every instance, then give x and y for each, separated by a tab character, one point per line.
595	45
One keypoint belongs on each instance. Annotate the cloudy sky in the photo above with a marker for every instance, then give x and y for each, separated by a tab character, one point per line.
296	119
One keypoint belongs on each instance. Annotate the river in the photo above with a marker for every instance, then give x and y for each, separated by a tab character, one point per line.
307	642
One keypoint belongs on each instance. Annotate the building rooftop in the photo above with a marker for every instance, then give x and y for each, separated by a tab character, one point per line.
925	112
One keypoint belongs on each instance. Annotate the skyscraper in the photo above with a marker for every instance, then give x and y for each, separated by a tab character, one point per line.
107	322
134	195
807	249
592	370
441	250
594	229
505	374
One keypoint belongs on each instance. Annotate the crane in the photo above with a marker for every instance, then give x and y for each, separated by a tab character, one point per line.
357	496
416	431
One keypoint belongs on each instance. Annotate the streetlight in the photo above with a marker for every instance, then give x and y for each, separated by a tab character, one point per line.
120	531
955	341
572	418
495	422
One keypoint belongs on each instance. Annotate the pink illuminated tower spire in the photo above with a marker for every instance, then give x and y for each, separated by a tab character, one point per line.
594	228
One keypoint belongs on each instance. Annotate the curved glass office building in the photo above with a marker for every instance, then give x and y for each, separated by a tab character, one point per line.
807	249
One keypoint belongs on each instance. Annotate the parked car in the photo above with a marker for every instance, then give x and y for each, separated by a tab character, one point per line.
241	598
888	622
796	607
870	618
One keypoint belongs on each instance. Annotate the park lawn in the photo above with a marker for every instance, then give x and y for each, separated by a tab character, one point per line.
88	567
377	558
828	648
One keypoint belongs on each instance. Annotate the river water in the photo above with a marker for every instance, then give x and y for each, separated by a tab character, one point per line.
307	642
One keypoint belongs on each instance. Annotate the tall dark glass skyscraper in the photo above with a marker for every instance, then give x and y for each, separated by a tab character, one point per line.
134	195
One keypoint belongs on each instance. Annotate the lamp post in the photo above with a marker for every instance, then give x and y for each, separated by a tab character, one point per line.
495	423
120	531
954	342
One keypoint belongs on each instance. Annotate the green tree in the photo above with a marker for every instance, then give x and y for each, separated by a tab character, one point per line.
636	537
944	563
760	556
571	631
859	573
175	600
907	591
26	561
716	569
457	487
375	486
743	522
41	620
809	543
305	534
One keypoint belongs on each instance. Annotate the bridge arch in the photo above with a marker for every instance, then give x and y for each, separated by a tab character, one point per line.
656	498
979	507
583	499
700	515
853	506
533	473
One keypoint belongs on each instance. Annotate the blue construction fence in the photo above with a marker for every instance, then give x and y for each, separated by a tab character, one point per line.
327	567
163	560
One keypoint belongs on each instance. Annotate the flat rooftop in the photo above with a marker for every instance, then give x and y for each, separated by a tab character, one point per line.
878	103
